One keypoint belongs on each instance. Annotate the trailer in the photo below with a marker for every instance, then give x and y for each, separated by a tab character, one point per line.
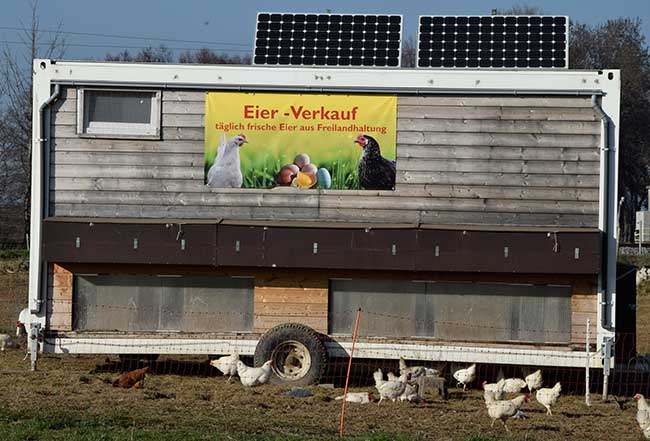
495	244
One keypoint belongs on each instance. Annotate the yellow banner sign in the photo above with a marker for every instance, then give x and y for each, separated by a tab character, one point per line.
264	140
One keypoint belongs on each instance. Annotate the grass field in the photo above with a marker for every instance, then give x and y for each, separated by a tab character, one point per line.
64	401
70	399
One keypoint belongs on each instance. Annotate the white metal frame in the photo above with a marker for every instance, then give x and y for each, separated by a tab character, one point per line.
120	130
242	346
605	83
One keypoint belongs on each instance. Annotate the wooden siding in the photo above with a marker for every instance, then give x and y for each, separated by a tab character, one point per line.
524	161
301	299
59	303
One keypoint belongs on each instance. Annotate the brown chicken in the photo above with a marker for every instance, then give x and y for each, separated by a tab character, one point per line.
133	379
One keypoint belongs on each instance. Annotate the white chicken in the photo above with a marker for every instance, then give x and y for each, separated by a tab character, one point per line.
411	389
252	376
357	397
504	409
465	376
226	170
410	393
547	397
513	385
416	371
227	365
390	390
6	342
534	380
495	388
642	413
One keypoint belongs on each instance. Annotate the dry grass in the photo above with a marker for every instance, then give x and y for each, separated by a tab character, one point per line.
13	293
643	318
65	401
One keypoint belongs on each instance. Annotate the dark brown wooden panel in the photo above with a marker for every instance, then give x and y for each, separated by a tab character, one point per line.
114	243
400	249
490	251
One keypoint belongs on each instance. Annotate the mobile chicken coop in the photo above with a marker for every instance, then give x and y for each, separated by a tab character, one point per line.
495	244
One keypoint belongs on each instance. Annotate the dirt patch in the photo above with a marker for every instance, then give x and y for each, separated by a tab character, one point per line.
66	398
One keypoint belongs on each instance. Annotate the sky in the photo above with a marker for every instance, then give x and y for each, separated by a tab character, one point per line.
228	26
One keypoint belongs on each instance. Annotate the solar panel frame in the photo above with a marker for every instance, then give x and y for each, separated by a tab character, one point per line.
491	17
398	48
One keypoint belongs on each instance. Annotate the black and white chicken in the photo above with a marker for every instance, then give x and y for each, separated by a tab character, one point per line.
375	171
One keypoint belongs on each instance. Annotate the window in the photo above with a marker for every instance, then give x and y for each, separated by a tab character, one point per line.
106	113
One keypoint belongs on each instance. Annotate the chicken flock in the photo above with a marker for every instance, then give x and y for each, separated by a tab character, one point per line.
405	387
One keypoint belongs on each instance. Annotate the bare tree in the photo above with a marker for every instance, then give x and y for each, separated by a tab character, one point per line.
409	52
160	54
620	44
208	56
16	114
521	10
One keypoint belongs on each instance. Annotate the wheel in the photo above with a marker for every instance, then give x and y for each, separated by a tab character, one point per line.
298	354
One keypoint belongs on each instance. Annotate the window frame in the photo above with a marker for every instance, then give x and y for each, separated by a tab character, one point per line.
119	130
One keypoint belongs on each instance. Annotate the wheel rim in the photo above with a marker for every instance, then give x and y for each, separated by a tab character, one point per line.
291	360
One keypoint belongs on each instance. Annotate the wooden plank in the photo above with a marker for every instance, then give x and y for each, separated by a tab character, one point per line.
356	215
499	166
60	302
498	139
182	211
497	179
499	192
116	184
263	324
126	145
183	120
290	295
505	113
271	282
457	204
505	219
498	126
242	199
127	171
65	105
183	95
405	151
183	107
276	309
128	158
413	190
499	101
168	119
584	304
64	118
183	133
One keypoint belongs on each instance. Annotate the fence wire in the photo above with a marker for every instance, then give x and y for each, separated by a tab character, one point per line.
177	352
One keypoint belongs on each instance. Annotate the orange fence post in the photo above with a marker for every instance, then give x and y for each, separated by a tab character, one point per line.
347	377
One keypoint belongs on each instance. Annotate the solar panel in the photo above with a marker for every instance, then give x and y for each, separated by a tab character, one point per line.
493	41
328	39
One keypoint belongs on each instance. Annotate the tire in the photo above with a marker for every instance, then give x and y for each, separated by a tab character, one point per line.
298	353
